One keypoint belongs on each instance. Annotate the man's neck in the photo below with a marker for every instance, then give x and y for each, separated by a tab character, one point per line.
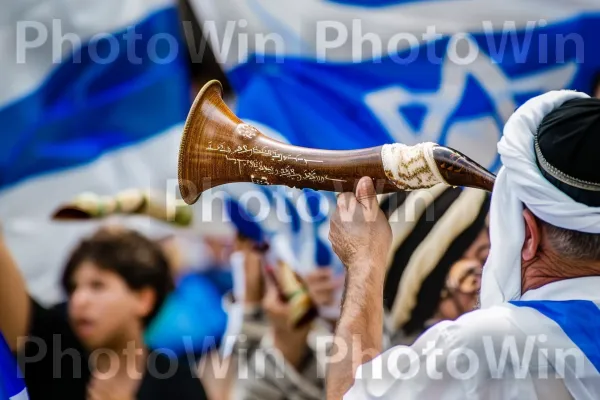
547	268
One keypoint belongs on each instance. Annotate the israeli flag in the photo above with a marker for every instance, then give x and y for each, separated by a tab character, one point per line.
293	222
12	384
347	74
93	96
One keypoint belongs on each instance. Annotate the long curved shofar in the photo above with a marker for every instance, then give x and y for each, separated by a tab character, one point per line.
88	206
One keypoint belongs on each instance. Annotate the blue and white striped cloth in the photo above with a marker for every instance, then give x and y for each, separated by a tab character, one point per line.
543	346
294	222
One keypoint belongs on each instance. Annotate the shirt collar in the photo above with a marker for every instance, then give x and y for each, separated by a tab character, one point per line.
585	288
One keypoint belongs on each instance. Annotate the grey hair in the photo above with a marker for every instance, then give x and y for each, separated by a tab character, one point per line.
572	244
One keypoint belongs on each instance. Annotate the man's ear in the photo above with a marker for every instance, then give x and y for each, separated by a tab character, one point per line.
533	236
146	301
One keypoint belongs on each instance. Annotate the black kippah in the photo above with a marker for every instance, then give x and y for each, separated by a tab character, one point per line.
567	146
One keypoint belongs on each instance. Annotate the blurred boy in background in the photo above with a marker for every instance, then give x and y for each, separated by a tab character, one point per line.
92	347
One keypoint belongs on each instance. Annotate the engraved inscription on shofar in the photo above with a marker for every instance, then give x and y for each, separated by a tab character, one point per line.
254	157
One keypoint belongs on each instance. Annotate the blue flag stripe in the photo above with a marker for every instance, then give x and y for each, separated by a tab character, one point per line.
85	108
11	381
579	319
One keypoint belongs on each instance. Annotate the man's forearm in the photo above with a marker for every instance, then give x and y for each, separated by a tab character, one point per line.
359	333
14	301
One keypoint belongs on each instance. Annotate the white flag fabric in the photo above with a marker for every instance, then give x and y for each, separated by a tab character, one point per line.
93	96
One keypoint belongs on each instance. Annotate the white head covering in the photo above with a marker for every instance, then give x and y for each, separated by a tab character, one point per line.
519	183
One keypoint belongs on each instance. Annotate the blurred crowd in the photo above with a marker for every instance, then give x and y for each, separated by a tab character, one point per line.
242	315
130	296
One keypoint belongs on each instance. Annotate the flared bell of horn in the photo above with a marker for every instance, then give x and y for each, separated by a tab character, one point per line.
219	148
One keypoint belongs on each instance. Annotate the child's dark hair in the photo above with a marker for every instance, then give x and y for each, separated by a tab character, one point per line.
135	258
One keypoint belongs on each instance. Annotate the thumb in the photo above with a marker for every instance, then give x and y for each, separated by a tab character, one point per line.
366	194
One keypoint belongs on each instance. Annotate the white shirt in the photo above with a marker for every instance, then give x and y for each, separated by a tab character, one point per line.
503	352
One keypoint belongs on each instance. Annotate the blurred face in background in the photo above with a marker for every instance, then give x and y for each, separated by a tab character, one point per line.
103	311
461	294
480	248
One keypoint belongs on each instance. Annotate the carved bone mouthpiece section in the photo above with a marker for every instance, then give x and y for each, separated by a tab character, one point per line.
411	167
